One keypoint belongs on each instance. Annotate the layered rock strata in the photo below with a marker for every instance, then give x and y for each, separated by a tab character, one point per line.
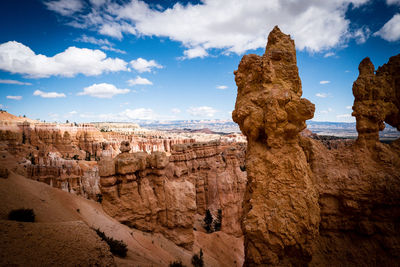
306	203
65	155
160	193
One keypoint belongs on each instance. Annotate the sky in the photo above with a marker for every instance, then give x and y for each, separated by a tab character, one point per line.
129	60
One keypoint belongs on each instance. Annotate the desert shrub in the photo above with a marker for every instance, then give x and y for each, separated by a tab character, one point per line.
75	157
208	221
116	247
22	215
176	263
218	221
197	260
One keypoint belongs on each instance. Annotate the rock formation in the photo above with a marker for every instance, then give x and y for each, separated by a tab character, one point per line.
281	211
159	193
377	98
306	204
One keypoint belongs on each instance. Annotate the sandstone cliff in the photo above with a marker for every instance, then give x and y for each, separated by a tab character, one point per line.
159	193
306	204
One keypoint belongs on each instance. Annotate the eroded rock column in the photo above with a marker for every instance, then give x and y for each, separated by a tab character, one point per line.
281	211
376	99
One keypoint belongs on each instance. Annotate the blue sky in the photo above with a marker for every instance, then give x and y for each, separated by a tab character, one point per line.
104	60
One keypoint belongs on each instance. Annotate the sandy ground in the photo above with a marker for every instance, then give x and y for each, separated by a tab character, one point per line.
63	235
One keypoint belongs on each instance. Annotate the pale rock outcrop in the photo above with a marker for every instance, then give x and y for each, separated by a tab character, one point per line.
159	193
281	211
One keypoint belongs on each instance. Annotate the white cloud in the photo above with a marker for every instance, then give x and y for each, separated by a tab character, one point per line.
110	48
349	107
324	82
103	90
126	115
91	40
361	35
195	52
391	30
139	114
329	54
175	110
73	112
143	65
345	118
139	81
18	58
65	7
326	111
222	87
14	82
15	97
393	2
48	94
231	25
321	95
203	111
103	43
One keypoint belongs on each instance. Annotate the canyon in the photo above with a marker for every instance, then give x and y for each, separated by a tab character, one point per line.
287	196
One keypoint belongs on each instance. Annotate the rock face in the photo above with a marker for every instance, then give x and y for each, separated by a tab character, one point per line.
377	98
281	211
159	193
306	203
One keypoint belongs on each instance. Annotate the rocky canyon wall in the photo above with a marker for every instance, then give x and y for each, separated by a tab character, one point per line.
306	204
66	155
160	193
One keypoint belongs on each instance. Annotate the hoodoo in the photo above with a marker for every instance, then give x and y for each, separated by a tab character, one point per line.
281	211
307	204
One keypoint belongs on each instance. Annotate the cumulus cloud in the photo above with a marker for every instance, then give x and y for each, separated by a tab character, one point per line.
48	94
222	87
195	52
391	30
324	82
139	114
14	97
321	95
231	25
143	65
103	90
18	58
203	111
139	81
65	7
175	110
